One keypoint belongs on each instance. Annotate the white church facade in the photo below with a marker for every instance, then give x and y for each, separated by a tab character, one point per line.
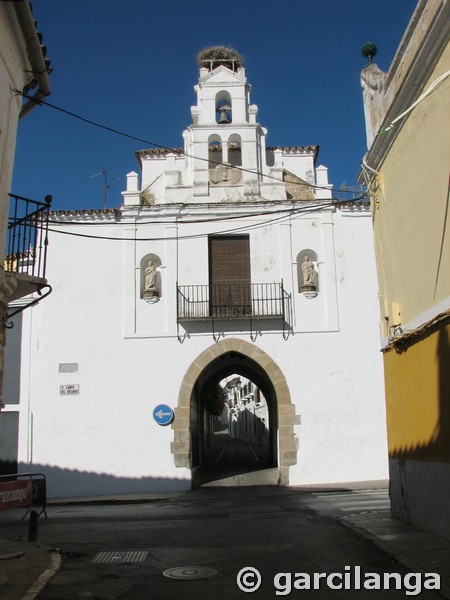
228	258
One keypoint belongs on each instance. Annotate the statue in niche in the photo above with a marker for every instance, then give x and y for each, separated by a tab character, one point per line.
150	281
309	275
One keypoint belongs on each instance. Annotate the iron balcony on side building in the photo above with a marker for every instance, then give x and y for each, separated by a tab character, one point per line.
26	247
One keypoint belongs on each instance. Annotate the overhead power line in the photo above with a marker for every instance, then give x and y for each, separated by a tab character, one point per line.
289	213
209	219
156	145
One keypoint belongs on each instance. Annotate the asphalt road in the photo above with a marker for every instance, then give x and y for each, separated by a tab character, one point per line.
270	529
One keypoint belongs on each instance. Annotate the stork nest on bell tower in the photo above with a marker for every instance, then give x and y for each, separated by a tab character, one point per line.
213	57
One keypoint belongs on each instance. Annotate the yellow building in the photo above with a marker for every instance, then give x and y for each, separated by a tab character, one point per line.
406	168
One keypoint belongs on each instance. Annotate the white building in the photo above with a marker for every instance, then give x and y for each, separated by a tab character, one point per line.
24	81
197	277
247	414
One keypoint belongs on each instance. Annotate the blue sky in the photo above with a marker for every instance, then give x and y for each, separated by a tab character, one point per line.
131	66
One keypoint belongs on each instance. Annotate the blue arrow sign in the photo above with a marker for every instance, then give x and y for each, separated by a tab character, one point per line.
163	414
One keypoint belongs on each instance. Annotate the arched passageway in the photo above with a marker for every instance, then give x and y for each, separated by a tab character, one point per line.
219	457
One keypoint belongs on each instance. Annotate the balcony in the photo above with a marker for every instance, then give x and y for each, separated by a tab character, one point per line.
26	246
234	301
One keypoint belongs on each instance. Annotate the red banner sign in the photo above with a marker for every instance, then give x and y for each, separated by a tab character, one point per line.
15	494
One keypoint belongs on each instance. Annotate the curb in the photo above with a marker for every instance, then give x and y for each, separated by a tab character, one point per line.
44	578
389	548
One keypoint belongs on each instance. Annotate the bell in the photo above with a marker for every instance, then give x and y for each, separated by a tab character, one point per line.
223	118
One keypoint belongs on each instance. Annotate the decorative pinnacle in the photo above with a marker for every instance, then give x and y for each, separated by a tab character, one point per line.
369	50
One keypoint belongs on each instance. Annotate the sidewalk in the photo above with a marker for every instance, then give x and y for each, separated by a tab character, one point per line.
25	567
417	550
354	505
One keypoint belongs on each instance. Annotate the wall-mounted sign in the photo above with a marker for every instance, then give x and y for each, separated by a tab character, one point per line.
68	367
163	414
69	389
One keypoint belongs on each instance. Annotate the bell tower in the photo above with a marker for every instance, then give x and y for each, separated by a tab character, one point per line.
225	158
226	143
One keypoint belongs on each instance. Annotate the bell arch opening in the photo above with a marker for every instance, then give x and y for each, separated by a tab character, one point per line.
234	423
223	108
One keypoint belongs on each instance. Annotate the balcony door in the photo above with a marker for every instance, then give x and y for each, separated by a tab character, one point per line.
229	276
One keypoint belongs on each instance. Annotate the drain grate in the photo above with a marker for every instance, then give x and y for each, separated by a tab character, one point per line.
120	556
190	572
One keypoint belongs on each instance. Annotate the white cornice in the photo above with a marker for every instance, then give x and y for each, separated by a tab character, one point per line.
73	216
185	212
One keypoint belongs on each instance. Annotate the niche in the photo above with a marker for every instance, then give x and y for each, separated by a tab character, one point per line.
235	151
223	108
307	274
150	284
214	151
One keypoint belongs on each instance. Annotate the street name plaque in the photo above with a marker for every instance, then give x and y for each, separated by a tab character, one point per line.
69	389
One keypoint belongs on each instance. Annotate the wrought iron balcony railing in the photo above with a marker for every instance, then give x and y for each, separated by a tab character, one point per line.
232	300
26	243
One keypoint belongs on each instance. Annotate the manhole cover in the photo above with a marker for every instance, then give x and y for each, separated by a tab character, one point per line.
120	556
190	572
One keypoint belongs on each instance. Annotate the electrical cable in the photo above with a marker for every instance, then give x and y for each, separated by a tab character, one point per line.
437	82
368	167
290	213
156	145
206	220
408	337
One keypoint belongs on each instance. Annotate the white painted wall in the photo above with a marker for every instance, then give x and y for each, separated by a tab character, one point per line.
104	440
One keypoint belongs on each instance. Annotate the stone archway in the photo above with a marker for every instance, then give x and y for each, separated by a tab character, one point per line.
287	442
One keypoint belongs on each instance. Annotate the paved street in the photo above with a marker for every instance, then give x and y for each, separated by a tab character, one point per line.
229	461
275	530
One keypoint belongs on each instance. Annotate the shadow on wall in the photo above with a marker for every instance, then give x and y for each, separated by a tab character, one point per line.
420	471
246	426
437	448
66	483
444	389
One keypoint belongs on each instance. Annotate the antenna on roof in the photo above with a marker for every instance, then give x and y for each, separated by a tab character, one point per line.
106	185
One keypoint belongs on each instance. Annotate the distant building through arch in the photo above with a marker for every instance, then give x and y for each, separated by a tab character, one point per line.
269	377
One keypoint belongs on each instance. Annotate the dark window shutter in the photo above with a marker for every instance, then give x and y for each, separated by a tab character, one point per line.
229	275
